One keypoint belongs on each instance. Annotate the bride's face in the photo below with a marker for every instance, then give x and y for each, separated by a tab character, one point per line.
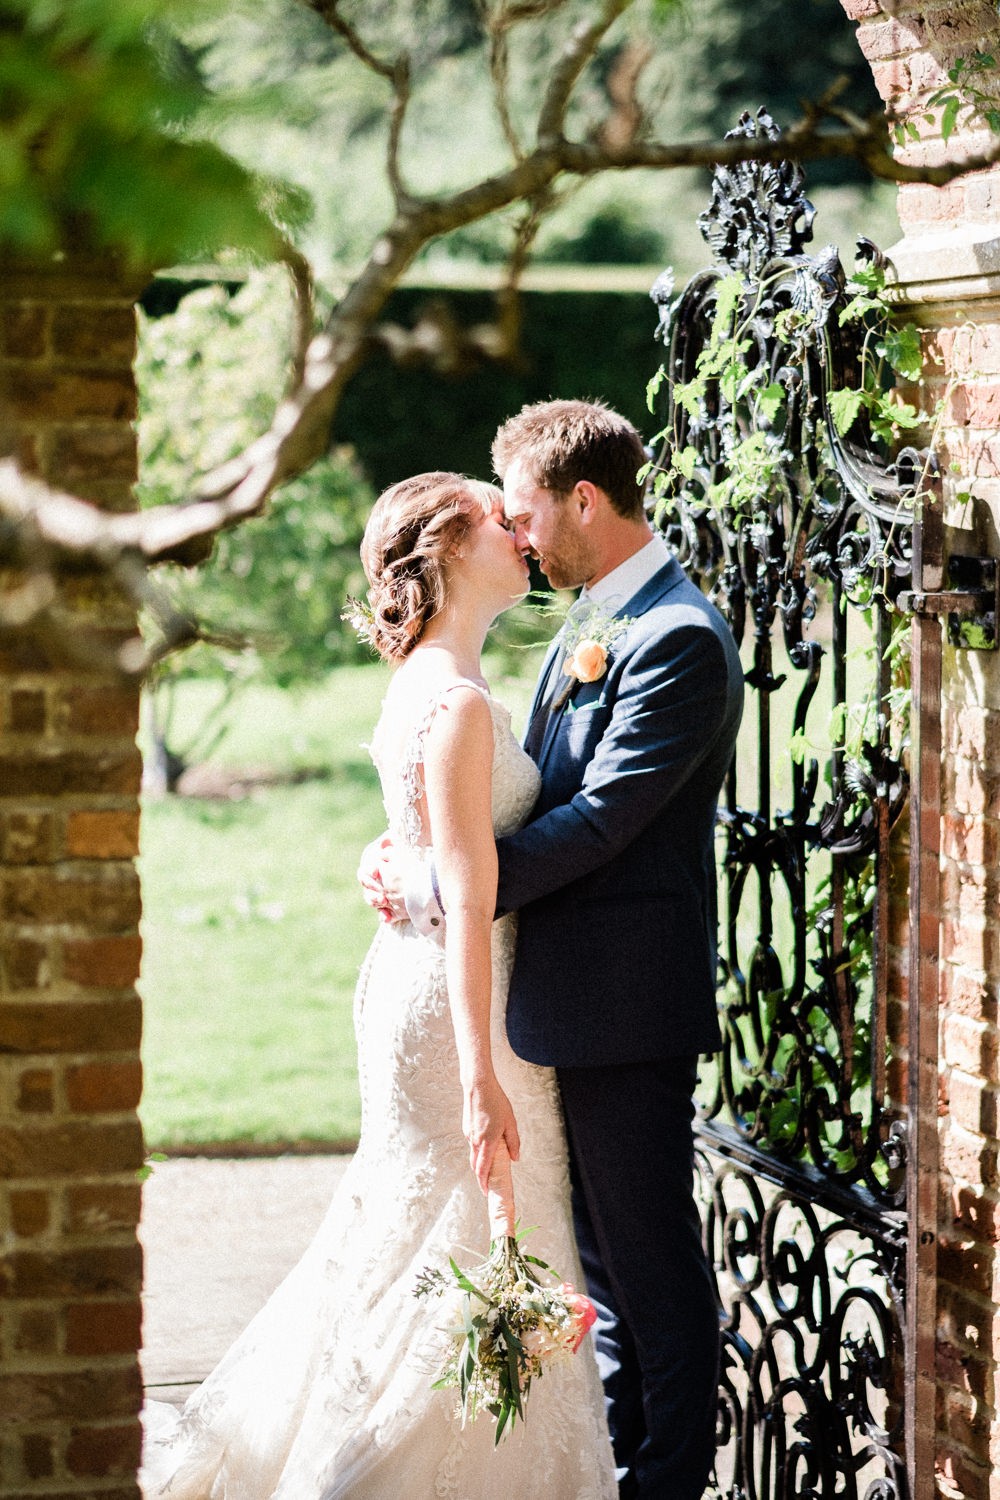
493	561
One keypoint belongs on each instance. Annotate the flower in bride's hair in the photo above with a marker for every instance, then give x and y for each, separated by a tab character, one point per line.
359	615
588	662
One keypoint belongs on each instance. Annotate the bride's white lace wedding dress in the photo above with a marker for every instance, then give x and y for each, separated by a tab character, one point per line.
327	1393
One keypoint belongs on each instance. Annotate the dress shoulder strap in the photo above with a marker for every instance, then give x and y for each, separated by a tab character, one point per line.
477	687
412	769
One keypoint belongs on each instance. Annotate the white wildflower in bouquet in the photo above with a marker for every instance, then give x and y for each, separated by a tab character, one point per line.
514	1322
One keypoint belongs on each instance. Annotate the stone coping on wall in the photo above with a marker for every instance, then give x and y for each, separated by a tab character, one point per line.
948	265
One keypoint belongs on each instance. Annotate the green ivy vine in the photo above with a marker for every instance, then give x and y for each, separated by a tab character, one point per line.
972	85
754	457
754	448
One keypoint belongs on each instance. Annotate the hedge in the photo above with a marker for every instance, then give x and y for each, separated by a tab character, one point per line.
575	344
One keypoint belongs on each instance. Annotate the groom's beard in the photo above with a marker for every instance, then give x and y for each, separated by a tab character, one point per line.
569	562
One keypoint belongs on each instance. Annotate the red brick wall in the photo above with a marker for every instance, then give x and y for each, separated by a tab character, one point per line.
70	1144
948	264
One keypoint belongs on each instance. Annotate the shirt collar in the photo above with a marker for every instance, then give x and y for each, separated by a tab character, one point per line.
624	582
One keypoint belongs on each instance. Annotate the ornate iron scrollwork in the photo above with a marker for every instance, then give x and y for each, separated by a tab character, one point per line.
803	1084
809	1397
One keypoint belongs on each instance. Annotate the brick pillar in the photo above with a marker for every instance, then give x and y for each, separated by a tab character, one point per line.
70	1143
948	266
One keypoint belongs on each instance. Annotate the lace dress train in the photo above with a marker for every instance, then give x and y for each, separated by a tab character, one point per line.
327	1394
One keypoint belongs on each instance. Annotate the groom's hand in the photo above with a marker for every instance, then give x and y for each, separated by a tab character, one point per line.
380	882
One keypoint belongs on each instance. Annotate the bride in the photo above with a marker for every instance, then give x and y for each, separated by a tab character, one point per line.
328	1393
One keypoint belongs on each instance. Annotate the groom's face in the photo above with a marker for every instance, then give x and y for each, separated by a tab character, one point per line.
548	526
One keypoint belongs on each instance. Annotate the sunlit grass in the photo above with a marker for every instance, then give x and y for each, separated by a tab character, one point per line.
255	929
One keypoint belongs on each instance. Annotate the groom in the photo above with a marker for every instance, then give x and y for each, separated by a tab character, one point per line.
614	881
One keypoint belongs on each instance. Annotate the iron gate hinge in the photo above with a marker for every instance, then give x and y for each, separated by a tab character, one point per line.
972	603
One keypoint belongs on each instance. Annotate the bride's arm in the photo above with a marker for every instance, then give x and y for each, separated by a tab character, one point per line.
458	759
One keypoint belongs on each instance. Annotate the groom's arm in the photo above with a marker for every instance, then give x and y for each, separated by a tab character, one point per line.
665	720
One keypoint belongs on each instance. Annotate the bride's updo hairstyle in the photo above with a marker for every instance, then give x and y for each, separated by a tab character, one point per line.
414	527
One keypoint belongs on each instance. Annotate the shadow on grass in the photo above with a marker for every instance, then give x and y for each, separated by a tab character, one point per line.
245	1147
212	784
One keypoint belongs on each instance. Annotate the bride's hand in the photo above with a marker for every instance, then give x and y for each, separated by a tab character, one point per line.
488	1120
380	882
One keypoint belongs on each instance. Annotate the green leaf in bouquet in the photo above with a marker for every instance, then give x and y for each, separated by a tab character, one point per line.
515	1381
503	1418
464	1282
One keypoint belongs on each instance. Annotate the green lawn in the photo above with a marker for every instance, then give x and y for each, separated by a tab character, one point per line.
254	927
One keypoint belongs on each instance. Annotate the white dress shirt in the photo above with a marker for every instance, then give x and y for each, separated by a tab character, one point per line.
624	582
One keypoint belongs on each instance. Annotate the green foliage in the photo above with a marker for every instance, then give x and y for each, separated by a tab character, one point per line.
751	429
209	377
754	450
280	581
609	236
329	133
96	139
972	88
862	720
173	129
887	347
588	344
900	345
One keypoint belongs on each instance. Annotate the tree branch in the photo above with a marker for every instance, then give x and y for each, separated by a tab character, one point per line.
397	74
303	289
498	23
329	11
500	75
627	118
529	10
580	48
75	529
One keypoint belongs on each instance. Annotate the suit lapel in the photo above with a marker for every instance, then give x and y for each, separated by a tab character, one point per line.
537	720
662	582
551	725
543	726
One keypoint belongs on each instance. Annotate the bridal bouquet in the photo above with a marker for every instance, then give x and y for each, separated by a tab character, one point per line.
513	1323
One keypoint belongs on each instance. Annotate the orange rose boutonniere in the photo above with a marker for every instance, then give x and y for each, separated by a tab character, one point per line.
588	637
588	662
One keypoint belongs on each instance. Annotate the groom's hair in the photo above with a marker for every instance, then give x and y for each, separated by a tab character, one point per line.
563	442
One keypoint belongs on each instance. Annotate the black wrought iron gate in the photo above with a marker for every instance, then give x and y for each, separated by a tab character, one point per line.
816	1210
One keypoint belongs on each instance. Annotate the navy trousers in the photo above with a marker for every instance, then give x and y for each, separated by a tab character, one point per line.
639	1234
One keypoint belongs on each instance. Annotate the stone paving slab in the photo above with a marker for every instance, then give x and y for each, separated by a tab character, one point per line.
218	1236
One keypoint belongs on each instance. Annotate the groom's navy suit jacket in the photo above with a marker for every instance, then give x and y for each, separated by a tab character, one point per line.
614	878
